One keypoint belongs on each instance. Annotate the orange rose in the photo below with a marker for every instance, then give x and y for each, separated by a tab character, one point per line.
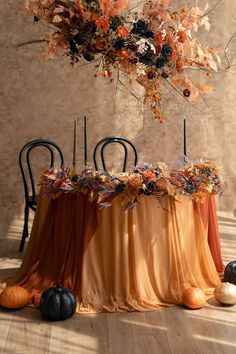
148	174
100	44
159	38
180	64
122	32
135	180
182	37
102	23
174	55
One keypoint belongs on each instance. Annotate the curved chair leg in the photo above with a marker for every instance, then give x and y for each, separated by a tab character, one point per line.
25	229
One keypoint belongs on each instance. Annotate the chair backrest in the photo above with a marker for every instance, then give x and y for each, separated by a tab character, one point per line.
25	162
110	140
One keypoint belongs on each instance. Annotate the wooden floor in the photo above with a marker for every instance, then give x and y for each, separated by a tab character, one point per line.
173	330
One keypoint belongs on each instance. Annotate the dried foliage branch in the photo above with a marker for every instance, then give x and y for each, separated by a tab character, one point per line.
155	47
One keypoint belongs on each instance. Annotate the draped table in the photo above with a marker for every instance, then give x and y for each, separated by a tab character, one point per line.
113	260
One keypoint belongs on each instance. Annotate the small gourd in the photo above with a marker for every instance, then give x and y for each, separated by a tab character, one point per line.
225	293
14	297
194	298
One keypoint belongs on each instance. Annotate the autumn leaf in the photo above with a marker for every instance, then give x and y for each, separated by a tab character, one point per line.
57	19
204	89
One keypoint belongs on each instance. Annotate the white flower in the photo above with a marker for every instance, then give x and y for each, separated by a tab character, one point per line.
142	45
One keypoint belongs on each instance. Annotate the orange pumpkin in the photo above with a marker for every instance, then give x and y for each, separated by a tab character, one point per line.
14	297
194	298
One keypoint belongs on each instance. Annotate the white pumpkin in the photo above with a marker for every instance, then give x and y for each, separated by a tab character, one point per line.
225	293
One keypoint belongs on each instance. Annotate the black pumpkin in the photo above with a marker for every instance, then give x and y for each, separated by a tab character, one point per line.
230	273
57	303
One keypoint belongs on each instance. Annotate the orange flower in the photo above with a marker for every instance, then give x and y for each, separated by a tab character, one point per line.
102	23
148	174
122	32
182	36
180	64
159	38
124	54
173	16
174	55
100	44
135	180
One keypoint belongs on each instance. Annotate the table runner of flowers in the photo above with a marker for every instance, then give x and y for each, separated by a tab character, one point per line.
154	47
193	180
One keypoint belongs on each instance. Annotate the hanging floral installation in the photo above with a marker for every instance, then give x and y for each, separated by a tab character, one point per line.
154	47
193	180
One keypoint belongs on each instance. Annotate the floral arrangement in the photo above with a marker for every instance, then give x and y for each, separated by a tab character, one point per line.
154	46
194	180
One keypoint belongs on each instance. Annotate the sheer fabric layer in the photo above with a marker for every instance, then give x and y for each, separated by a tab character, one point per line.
119	261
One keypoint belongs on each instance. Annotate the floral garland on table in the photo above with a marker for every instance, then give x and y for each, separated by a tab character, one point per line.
194	180
154	48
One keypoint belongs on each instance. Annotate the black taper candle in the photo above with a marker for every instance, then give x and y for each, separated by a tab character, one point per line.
74	144
185	140
85	142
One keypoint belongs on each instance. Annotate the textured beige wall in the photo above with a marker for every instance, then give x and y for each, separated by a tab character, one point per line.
41	99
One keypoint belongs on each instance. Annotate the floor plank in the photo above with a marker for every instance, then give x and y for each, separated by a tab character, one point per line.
5	325
23	330
179	330
212	330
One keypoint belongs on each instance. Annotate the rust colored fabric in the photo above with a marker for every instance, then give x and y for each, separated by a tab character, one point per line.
115	260
207	211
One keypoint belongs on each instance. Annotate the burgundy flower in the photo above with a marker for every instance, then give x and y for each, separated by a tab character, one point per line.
186	93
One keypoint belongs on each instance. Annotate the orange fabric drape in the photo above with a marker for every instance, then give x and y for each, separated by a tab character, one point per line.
207	211
115	260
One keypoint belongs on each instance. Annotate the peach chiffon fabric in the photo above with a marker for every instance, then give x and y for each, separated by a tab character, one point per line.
115	260
207	211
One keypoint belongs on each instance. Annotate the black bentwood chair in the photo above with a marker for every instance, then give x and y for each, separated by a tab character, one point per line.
28	178
110	140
